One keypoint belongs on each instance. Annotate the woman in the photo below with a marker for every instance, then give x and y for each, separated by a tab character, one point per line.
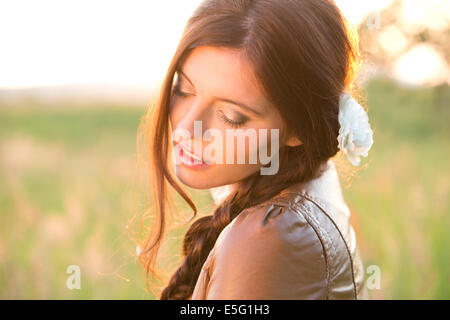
284	67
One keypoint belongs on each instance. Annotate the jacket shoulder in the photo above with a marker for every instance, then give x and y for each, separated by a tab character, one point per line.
270	251
331	224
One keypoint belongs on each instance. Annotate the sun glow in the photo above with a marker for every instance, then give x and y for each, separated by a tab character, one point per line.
103	42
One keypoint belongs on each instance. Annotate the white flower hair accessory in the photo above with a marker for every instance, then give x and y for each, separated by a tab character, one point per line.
355	135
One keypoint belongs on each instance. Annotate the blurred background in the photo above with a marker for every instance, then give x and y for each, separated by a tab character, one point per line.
77	76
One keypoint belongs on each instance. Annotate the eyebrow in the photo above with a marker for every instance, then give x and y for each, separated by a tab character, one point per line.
223	99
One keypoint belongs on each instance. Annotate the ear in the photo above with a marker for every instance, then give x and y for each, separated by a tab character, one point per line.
293	141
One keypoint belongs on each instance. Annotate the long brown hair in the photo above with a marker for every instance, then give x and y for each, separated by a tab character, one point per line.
304	57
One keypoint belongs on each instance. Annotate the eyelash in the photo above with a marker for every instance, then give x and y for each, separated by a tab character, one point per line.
178	92
232	123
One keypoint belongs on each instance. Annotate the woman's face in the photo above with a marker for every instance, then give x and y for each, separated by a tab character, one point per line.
215	88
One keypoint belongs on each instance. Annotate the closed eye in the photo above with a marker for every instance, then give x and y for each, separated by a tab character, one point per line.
231	122
177	91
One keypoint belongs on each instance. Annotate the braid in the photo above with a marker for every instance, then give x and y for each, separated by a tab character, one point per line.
203	233
198	242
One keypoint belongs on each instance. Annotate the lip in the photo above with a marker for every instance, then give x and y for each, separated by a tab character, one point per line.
188	159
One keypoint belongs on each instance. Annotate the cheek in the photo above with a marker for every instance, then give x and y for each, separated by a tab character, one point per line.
244	148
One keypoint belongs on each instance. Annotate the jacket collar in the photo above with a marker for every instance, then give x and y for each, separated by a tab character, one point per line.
325	190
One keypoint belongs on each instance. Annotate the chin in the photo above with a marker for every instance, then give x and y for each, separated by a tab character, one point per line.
196	179
214	176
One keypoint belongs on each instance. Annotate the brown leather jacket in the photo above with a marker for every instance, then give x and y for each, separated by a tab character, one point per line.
297	245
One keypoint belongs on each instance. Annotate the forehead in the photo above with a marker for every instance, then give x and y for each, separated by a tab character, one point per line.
224	73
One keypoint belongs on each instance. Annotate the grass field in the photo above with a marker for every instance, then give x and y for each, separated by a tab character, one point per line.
71	194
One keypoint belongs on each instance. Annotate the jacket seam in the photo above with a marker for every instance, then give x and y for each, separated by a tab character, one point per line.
325	254
325	234
307	196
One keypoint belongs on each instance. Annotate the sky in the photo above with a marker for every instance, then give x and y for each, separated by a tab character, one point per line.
109	42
